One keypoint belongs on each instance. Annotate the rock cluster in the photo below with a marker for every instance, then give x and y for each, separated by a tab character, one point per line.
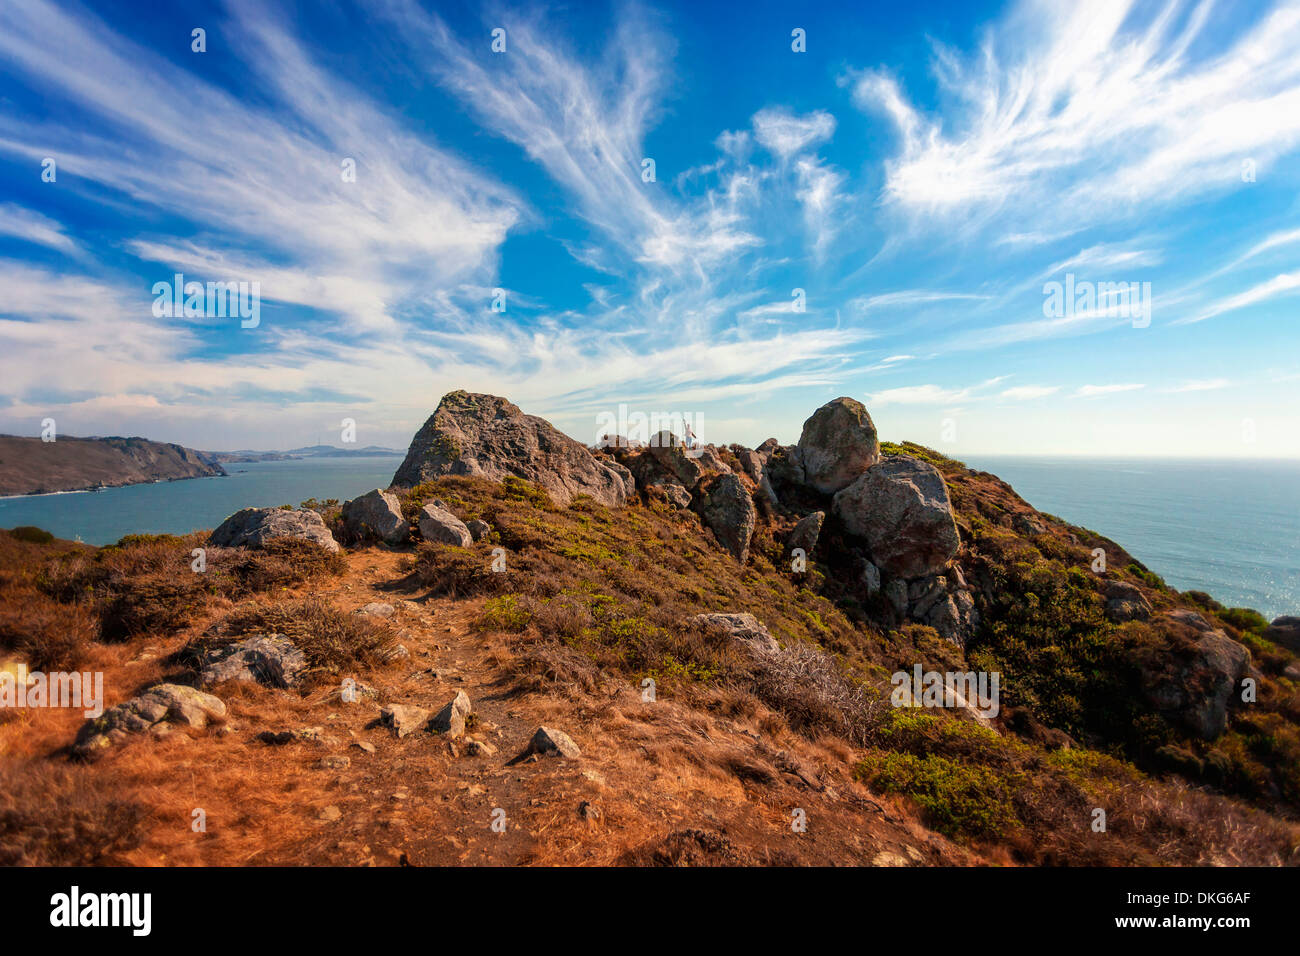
157	711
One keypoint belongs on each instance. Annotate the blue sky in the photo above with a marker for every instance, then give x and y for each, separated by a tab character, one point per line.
920	171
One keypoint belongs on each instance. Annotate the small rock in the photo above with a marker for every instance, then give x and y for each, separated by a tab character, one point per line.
450	721
376	609
480	748
334	762
550	742
438	524
364	745
330	814
744	628
404	719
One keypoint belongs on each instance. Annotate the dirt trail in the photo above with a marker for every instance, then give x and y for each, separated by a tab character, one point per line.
657	782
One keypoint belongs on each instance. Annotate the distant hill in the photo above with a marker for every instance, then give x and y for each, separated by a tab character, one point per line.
30	466
309	451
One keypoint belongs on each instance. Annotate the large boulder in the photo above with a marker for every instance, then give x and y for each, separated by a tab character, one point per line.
1195	682
837	445
489	437
252	527
378	515
439	524
727	509
900	508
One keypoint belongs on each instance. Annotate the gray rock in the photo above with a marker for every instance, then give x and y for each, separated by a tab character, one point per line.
806	533
900	508
751	462
1285	632
376	609
404	719
450	721
742	628
837	445
270	659
782	471
489	437
1126	602
252	527
870	577
478	528
728	510
163	704
550	742
444	527
376	515
677	496
665	462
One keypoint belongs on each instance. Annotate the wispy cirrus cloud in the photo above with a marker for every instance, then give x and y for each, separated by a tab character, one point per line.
1035	126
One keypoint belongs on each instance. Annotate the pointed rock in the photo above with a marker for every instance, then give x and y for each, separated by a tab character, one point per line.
489	437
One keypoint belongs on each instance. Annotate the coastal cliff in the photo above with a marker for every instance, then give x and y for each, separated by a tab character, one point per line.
30	466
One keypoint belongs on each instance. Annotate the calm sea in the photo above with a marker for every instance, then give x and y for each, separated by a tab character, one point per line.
176	507
1229	528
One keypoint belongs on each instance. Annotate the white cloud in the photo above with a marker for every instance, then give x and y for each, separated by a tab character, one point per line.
1026	392
1095	391
1071	112
784	133
31	226
1200	385
1279	285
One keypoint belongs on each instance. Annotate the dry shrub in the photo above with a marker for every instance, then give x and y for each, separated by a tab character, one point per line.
279	563
45	635
458	572
146	584
51	815
331	639
549	668
811	689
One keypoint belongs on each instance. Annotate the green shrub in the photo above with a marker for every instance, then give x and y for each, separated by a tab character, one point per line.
31	534
959	800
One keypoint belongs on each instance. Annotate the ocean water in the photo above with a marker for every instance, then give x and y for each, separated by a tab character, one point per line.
1230	528
177	507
